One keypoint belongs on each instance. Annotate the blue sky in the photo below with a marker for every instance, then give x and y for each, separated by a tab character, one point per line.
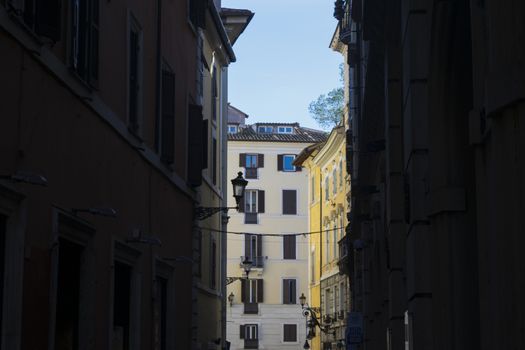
283	59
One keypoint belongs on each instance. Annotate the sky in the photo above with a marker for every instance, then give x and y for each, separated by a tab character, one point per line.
284	61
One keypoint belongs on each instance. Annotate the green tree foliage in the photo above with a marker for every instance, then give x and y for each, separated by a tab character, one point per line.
327	110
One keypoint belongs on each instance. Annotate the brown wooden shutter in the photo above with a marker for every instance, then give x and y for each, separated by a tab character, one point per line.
289	202
292	246
259	246
286	291
260	200
241	331
247	250
293	292
279	162
167	148
48	18
242	160
260	160
260	291
195	145
289	247
205	144
243	290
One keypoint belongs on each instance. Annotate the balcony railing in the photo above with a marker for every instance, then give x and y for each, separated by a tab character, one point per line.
257	261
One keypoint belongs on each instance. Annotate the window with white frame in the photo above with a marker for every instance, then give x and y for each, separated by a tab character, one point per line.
250	334
232	129
312	267
250	201
285	130
265	129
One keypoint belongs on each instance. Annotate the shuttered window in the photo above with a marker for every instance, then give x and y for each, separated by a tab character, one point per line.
289	291
251	163
253	249
134	76
196	145
285	163
289	333
84	36
289	245
250	334
167	127
289	202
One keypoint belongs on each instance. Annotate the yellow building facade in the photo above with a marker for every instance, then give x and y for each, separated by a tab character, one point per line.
328	205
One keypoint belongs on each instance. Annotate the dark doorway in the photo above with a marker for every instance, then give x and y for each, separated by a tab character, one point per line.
121	306
68	301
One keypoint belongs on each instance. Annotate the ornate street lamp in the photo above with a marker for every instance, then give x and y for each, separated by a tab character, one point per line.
239	185
312	320
247	265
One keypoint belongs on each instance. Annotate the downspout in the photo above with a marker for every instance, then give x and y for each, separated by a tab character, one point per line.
320	237
158	77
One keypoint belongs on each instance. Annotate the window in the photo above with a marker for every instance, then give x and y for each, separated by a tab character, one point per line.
289	202
334	241
312	267
312	189
251	294
289	247
289	333
342	298
213	265
252	204
289	291
232	129
163	305
250	334
134	76
41	17
341	173
265	129
334	181
214	160
121	306
126	298
285	130
326	188
285	163
336	299
84	37
197	12
251	162
327	301
253	249
326	242
214	95
167	126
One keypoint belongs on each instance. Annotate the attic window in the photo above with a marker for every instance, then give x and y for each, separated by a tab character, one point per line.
232	129
265	129
285	130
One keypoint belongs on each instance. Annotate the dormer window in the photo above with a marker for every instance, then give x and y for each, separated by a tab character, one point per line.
232	129
265	129
285	130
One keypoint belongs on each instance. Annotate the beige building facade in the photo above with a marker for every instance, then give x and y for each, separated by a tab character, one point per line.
265	312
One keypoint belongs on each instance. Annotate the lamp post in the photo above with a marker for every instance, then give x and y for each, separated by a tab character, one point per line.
239	185
312	320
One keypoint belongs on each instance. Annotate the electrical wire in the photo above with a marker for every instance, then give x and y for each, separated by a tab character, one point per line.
270	234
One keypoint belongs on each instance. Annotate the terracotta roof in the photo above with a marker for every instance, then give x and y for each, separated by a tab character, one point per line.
300	134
